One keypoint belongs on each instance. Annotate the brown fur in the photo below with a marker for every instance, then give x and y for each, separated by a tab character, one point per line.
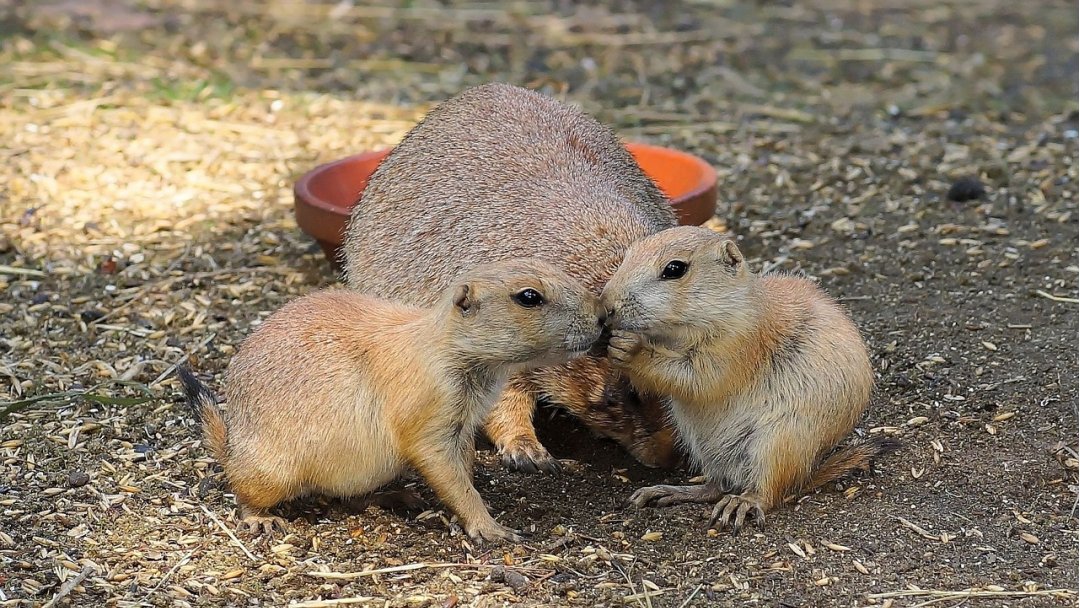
338	391
496	173
765	374
845	460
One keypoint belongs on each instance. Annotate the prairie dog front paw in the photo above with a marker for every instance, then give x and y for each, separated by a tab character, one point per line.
622	347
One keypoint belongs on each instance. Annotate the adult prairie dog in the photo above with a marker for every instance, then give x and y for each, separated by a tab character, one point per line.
338	392
765	374
501	172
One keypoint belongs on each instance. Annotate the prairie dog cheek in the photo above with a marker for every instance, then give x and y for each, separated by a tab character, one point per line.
654	301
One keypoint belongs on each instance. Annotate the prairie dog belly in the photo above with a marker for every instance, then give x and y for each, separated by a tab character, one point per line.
720	439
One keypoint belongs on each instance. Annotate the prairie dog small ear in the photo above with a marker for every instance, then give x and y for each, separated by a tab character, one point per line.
730	255
463	298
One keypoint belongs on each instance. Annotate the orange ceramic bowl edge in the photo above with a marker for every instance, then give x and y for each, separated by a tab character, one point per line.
325	195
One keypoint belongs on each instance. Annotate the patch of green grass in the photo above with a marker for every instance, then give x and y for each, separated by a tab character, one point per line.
64	398
54	45
45	47
216	86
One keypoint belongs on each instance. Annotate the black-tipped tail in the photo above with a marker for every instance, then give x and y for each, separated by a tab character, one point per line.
198	394
859	456
204	404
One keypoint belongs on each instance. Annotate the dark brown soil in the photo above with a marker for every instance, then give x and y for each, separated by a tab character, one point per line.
146	177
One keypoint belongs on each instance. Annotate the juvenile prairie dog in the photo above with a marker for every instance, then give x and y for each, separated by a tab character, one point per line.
765	374
501	172
338	392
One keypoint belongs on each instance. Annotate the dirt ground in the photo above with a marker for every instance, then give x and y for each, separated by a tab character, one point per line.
147	152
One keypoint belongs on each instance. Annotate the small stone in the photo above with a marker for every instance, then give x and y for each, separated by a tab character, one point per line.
207	485
562	577
966	189
517	581
39	298
108	266
90	315
77	479
566	588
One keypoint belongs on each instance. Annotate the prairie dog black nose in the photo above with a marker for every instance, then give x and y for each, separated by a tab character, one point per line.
610	314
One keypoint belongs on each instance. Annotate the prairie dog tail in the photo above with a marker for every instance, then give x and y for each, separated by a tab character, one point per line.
202	402
855	457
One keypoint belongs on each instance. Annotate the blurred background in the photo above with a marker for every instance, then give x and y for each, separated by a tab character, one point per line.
196	111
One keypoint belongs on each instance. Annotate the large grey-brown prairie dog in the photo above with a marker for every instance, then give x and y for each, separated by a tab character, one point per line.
337	392
496	173
766	375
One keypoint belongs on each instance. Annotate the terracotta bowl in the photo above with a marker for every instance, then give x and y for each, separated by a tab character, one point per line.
325	195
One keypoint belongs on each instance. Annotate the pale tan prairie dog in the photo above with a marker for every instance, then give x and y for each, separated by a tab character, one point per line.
338	392
765	374
501	172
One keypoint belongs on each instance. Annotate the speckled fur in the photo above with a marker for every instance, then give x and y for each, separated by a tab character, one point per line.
766	374
337	392
498	173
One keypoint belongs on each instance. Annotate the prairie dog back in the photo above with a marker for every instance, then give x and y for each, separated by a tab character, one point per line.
499	172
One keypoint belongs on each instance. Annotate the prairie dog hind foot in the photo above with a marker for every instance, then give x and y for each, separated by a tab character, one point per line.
733	510
667	496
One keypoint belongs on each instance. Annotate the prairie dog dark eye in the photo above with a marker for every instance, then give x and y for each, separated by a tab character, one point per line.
529	298
674	270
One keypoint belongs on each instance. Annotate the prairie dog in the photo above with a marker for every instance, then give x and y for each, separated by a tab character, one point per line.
501	172
765	374
338	392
